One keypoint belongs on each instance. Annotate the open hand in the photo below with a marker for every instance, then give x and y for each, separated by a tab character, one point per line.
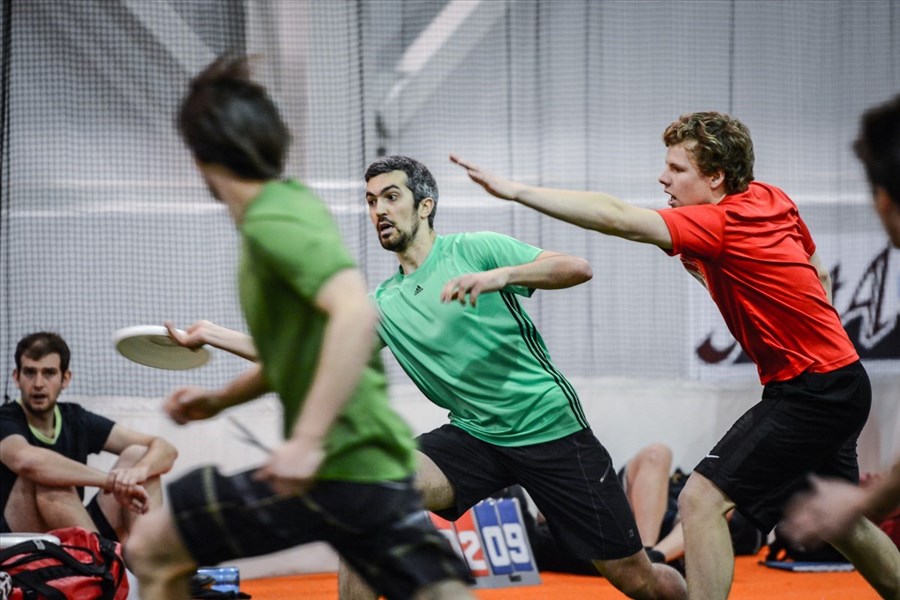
122	480
827	510
190	403
133	497
496	186
292	467
472	285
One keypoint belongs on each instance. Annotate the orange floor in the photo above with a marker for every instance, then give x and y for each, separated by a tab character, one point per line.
752	581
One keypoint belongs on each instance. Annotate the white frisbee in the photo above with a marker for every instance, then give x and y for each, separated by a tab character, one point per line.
150	345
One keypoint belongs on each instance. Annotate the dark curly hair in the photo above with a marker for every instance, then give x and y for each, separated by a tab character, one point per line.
716	142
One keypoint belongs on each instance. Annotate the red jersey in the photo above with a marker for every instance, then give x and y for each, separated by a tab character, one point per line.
753	250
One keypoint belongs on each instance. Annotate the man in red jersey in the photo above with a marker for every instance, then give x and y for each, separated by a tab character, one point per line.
833	506
745	241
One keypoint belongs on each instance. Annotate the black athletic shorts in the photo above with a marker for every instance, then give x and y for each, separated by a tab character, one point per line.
571	480
380	529
808	424
103	527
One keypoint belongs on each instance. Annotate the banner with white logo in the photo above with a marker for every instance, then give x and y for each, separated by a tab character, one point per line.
866	292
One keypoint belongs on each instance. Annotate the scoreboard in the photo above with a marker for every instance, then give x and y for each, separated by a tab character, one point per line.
491	538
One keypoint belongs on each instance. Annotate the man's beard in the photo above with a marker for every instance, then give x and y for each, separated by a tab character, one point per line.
402	241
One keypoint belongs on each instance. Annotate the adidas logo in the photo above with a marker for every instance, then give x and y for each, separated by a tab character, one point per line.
419	288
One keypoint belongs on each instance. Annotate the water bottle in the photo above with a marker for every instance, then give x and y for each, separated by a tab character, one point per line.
226	579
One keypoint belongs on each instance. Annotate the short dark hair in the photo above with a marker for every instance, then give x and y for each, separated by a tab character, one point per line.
228	119
43	343
878	146
418	179
716	142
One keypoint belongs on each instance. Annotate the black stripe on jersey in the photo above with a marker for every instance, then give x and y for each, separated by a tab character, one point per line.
530	335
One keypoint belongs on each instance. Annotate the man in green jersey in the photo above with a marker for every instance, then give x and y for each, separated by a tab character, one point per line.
343	475
452	317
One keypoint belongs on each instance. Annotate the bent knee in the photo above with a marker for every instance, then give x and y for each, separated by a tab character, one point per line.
141	544
658	454
153	544
48	498
60	492
702	496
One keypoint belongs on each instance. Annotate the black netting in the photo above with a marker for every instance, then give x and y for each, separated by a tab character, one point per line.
105	223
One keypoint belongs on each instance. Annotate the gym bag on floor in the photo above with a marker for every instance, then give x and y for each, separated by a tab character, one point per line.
84	566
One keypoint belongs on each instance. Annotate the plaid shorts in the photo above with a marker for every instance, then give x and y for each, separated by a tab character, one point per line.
379	529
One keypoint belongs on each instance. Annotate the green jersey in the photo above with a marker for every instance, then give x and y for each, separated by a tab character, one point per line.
291	248
486	364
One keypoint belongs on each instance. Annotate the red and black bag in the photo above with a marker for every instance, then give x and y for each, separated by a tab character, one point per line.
84	566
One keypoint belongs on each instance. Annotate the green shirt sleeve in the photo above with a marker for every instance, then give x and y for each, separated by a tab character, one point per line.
305	250
487	250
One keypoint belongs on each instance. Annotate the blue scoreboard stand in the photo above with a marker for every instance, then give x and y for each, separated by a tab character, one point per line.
491	538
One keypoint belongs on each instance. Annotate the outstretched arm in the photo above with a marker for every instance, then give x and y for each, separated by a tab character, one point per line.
549	271
590	210
205	332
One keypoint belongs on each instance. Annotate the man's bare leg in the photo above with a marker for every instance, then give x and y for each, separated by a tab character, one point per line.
708	554
37	508
672	546
156	555
351	586
636	577
647	488
874	555
119	517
